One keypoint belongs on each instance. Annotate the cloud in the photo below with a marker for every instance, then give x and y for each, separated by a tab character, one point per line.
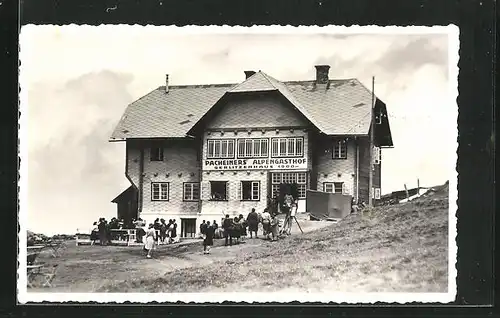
73	157
417	52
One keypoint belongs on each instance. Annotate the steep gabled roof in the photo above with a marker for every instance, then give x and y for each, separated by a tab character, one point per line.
340	107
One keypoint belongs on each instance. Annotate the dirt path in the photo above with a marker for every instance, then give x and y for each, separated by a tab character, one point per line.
88	268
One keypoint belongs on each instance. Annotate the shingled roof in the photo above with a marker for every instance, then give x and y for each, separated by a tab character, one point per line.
340	107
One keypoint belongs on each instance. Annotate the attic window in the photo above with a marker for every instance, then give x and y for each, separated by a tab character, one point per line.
156	154
359	105
190	115
184	122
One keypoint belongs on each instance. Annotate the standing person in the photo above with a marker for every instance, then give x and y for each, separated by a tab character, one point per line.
266	223
163	230
274	228
208	241
236	230
157	224
203	227
139	230
215	225
174	232
94	233
102	232
227	227
253	222
243	225
150	240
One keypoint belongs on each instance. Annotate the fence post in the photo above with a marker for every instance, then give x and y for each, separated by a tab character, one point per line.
418	186
407	194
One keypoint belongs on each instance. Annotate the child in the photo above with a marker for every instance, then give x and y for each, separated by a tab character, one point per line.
208	241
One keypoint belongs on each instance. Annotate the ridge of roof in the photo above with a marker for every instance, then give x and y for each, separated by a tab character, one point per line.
197	86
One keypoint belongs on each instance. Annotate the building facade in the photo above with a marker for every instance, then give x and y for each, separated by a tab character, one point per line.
198	152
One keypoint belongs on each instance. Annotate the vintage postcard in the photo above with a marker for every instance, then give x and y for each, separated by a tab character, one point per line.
263	164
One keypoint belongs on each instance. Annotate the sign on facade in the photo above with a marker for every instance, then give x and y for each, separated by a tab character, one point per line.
255	164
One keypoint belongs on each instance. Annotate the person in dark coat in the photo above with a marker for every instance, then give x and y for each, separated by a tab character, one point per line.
236	229
174	231
253	223
227	225
208	241
163	230
94	234
103	235
203	227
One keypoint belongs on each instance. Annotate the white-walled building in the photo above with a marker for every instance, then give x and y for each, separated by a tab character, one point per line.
198	152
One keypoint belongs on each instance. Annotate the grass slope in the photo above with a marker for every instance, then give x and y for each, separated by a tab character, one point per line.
400	248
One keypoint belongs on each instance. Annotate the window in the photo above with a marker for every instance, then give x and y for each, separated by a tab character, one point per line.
378	118
340	149
375	193
220	148
252	148
156	154
377	155
159	191
333	187
287	147
218	190
191	191
250	190
300	178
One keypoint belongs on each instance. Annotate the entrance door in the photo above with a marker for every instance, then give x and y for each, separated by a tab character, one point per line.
188	227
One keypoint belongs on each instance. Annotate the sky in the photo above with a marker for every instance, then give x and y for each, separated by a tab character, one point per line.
76	82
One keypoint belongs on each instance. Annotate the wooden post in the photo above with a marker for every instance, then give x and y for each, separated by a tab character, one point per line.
372	131
407	194
418	186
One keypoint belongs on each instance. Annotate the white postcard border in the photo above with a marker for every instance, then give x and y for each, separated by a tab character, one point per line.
285	297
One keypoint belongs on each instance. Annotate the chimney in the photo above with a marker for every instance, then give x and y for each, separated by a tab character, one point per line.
322	74
166	83
249	73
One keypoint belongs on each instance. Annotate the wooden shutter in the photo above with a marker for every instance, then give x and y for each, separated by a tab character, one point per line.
228	192
376	155
205	191
240	191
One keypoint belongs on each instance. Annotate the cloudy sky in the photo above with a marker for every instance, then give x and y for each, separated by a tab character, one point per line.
77	81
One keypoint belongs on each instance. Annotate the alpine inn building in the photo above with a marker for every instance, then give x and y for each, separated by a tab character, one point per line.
198	152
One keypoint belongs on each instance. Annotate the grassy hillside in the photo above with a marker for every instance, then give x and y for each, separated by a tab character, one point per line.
391	248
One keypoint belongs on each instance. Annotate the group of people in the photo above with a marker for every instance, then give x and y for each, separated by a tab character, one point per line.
105	231
168	231
236	228
102	230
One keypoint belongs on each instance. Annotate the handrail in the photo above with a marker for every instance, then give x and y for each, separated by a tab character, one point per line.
130	235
